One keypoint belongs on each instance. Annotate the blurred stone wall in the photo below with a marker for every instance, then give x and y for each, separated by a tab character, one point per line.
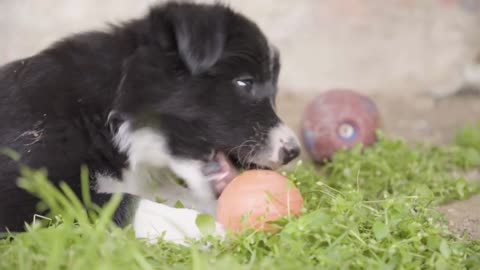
396	46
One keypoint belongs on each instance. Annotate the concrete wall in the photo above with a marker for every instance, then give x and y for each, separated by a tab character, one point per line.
394	46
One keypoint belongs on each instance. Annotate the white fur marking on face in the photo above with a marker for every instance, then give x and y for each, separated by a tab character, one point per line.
278	137
153	220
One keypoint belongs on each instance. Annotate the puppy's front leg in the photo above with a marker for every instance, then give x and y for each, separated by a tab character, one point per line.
153	220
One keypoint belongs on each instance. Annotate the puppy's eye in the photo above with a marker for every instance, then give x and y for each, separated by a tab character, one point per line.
246	84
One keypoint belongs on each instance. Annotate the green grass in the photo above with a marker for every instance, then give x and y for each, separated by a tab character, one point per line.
371	208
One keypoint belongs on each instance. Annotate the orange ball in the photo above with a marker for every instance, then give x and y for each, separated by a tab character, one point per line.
255	197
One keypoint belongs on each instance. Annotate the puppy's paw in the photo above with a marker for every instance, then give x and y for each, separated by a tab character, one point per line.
154	220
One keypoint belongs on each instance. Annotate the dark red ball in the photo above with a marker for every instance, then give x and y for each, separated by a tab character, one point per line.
338	119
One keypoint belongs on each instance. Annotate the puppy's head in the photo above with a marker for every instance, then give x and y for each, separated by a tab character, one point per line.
205	78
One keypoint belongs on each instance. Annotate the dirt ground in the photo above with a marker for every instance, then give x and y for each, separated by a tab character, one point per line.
417	118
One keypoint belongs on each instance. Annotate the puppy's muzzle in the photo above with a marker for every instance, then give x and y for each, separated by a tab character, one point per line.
289	151
282	146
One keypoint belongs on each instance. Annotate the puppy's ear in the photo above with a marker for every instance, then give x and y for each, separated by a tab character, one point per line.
199	32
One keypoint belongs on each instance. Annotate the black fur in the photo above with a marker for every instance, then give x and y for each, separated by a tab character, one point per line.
173	70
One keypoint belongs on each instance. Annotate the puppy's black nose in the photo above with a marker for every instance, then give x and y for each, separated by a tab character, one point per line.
289	152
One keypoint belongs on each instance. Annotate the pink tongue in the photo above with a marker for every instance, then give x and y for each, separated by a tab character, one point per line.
220	171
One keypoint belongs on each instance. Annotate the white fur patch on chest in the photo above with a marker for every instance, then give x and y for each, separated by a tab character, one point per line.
143	146
148	153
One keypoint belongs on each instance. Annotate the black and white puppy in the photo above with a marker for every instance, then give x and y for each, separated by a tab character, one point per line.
186	85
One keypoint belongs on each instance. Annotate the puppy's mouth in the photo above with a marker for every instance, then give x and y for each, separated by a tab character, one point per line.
221	170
